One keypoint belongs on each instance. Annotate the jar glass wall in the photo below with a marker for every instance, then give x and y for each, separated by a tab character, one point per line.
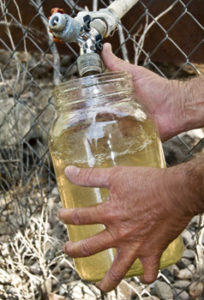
100	124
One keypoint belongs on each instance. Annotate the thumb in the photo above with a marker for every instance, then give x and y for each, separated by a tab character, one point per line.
150	267
114	63
93	177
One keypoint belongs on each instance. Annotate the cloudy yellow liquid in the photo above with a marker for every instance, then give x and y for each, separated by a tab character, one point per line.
106	142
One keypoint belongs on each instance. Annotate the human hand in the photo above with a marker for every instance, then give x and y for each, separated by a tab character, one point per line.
142	216
162	97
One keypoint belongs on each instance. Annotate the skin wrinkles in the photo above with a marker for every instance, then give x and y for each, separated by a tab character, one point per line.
130	223
147	208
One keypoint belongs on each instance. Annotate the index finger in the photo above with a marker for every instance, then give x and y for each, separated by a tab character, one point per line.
92	177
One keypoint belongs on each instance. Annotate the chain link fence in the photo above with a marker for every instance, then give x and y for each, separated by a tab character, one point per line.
164	36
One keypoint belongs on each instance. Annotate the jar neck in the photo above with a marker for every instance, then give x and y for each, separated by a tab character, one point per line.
93	91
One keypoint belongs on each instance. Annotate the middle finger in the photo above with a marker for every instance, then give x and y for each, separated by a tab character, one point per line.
90	246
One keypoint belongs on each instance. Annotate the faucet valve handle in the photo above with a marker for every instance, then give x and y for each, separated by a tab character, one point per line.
87	21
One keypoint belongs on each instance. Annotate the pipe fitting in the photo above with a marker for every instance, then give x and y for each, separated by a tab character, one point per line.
104	21
64	27
57	22
89	64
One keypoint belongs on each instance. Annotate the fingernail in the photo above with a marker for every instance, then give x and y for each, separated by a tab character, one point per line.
71	171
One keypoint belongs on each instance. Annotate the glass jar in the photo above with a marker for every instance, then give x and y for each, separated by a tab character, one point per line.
99	124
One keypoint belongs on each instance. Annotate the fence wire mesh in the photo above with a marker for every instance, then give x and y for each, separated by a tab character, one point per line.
164	36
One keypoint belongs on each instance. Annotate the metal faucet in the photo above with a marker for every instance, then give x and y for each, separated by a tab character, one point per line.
88	29
88	32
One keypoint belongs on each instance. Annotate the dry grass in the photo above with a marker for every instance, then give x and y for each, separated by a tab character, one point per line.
33	264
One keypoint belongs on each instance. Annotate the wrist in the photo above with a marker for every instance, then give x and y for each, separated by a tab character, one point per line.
194	181
189	98
177	97
185	188
194	102
175	185
170	116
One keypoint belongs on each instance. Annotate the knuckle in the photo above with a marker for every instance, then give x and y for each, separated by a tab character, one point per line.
87	175
112	211
76	217
115	174
85	248
115	275
108	211
101	213
118	172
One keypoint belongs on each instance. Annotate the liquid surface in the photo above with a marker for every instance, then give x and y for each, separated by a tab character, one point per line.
105	141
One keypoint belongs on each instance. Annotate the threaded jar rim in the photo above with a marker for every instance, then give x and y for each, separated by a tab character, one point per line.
94	90
91	80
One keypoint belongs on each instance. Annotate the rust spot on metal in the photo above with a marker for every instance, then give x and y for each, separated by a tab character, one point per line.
54	11
57	10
